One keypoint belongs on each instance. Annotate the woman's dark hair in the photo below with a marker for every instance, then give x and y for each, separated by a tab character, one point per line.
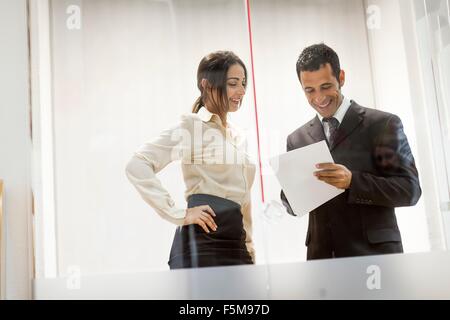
214	68
314	57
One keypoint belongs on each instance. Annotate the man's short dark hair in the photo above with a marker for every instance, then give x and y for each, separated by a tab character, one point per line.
314	57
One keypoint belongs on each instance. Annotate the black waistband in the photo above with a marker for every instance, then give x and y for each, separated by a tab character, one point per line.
215	202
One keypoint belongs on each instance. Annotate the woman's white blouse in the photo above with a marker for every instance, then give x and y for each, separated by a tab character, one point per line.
214	161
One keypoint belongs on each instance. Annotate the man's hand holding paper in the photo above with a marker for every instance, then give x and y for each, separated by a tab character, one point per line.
303	184
335	175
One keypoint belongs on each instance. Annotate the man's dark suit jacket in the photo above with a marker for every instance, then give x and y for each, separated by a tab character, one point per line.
361	221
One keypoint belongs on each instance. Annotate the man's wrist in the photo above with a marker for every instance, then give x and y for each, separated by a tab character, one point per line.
349	181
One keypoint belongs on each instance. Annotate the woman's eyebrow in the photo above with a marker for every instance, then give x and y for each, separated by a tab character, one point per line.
234	78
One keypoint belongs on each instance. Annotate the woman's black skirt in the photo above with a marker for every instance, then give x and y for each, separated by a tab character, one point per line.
192	247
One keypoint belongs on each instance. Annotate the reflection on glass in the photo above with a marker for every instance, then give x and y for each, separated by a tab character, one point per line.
123	71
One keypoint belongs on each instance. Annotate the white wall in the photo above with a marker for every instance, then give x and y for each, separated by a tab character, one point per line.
15	152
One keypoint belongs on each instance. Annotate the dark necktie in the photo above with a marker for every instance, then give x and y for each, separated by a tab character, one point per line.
333	125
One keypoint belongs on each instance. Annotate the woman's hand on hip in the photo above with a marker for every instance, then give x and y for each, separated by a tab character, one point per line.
201	215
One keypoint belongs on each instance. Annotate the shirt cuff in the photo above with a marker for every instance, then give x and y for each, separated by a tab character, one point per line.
176	215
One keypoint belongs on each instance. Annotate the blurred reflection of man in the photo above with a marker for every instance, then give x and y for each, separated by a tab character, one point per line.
373	164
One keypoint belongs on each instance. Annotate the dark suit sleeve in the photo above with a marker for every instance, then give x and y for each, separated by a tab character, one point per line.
396	183
284	200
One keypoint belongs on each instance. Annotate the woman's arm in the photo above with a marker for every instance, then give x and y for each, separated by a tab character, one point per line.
151	158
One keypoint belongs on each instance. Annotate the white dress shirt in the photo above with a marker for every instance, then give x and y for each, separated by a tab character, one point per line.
214	161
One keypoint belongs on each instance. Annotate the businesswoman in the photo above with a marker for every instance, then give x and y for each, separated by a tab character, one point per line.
215	229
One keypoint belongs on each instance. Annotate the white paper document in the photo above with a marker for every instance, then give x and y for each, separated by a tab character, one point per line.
295	172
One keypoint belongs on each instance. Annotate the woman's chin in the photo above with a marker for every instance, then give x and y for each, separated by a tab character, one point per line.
234	107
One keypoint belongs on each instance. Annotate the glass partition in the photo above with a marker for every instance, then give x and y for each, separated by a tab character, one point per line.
121	72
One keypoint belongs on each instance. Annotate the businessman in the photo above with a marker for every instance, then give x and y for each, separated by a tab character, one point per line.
373	164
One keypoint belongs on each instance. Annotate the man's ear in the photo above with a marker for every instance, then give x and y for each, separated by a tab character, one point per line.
342	78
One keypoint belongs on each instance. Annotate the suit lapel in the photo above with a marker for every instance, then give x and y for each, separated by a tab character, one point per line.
352	119
315	130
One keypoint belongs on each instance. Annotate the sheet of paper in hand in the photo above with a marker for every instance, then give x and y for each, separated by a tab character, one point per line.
294	171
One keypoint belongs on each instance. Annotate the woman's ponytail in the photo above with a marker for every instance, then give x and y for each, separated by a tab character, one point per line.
197	105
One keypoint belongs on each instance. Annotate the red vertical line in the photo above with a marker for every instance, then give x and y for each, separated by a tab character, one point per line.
254	97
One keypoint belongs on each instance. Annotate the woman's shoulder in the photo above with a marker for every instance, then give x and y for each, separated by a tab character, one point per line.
189	118
182	123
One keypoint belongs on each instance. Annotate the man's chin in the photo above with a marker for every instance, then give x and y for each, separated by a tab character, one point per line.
324	114
328	113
